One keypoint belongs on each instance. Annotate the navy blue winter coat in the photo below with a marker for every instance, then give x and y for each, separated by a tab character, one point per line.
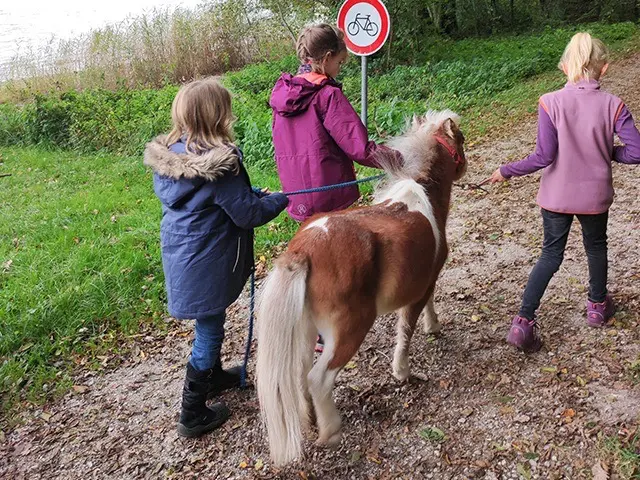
209	211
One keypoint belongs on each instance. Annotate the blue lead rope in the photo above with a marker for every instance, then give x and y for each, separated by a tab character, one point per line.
247	350
337	185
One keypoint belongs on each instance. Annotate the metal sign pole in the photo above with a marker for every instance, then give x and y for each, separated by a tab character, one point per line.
363	112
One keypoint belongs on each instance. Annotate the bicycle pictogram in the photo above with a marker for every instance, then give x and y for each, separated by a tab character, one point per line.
363	22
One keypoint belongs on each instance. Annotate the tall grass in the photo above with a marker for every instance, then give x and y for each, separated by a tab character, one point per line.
166	46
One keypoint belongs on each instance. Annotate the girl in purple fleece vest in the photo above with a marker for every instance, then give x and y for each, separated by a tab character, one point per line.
576	127
317	135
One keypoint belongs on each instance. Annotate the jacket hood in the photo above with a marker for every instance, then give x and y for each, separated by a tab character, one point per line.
292	95
180	174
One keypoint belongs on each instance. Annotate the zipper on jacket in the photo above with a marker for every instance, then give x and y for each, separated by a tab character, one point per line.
237	257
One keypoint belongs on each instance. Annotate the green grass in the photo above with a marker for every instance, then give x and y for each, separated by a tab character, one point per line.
79	261
624	454
80	265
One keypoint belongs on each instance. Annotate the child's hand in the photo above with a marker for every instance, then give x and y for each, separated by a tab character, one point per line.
266	190
496	177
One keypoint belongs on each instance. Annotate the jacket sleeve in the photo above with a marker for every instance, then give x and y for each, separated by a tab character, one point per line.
347	130
628	133
243	206
545	153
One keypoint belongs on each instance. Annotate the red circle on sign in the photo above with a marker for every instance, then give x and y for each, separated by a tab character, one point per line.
384	28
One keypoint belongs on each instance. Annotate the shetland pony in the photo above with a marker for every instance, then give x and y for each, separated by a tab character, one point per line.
343	269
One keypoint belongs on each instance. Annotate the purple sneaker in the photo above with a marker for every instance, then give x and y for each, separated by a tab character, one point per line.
524	334
598	314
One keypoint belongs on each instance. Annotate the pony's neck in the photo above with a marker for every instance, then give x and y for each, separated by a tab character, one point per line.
438	189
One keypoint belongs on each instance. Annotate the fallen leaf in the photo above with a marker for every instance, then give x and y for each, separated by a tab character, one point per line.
2	437
524	471
355	456
549	369
475	318
350	366
432	434
243	464
569	413
259	464
505	399
80	389
303	475
581	381
600	471
374	460
45	416
507	410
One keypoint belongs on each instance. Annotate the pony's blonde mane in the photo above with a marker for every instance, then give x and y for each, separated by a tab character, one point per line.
415	145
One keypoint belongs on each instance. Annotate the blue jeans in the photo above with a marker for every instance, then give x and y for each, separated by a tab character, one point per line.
205	351
556	232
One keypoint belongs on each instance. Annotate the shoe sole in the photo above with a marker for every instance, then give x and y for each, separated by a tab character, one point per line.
526	348
198	430
214	393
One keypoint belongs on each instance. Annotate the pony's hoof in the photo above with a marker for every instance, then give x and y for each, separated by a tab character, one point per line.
433	328
332	442
401	371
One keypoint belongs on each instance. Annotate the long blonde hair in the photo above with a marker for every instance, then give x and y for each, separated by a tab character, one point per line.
316	41
584	58
202	112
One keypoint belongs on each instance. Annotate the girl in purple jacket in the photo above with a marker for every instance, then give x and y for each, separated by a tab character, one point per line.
575	148
317	134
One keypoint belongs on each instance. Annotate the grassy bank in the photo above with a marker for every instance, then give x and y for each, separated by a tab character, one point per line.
79	255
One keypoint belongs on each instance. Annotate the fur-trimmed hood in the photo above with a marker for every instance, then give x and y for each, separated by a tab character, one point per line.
210	166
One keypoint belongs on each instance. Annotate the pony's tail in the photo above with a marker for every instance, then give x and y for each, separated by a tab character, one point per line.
285	351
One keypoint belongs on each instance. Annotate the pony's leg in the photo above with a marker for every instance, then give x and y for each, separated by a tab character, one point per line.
341	342
306	368
407	319
321	382
430	322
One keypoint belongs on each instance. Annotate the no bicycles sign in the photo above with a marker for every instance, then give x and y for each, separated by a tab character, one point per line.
366	25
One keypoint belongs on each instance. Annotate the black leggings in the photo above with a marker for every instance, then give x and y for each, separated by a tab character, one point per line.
556	232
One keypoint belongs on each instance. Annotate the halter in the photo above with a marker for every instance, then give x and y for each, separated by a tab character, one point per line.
452	151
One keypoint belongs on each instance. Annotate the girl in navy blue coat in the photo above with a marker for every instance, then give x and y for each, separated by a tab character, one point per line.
209	210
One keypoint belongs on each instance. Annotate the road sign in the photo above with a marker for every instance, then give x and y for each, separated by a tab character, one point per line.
366	24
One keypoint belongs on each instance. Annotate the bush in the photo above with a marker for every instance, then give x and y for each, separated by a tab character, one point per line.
458	75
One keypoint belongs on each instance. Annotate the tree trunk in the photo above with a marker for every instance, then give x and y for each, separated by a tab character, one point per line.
284	23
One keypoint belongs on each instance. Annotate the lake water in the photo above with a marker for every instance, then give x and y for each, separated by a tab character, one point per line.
29	25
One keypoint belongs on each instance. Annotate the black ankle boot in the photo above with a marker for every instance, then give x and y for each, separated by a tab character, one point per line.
195	417
222	380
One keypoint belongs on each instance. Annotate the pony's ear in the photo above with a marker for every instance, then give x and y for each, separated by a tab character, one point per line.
416	122
450	128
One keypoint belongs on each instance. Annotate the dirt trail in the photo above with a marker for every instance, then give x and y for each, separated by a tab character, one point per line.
504	414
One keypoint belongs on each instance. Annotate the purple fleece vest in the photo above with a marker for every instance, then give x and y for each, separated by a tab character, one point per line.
579	180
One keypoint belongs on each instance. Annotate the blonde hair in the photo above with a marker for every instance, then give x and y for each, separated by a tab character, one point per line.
316	41
584	58
202	112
